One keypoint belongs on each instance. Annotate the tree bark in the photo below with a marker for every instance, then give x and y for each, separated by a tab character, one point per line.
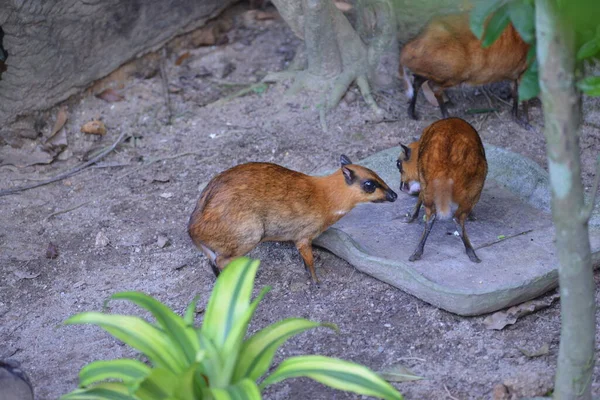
561	102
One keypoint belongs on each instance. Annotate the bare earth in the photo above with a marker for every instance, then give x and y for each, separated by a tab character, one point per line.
134	202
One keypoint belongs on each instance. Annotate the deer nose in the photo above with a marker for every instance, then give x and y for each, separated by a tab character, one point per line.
391	195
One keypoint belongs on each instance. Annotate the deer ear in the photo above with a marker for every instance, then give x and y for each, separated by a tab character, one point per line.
344	160
405	153
349	176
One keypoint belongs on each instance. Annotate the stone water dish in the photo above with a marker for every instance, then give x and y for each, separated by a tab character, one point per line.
513	235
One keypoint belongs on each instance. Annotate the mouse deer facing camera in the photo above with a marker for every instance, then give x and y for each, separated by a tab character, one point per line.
447	168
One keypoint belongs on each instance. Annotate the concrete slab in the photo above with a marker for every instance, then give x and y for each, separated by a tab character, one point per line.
513	235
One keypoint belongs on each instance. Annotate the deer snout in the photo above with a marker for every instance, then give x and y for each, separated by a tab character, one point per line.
391	196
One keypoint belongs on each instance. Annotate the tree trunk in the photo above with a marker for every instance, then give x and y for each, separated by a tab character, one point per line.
337	54
556	56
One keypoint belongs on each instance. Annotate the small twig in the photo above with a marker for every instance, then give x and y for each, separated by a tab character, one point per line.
110	165
154	160
54	214
586	213
500	99
65	174
240	93
503	239
412	358
165	84
487	96
448	393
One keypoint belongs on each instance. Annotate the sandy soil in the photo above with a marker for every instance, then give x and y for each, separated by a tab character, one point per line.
132	202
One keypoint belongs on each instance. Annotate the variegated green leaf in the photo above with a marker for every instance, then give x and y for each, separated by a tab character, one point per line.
190	311
235	340
243	390
159	385
335	373
124	369
258	351
138	334
102	391
495	26
182	336
480	13
230	299
212	362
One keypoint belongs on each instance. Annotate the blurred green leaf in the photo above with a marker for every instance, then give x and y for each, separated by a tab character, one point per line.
245	389
522	15
589	49
480	14
496	26
590	85
529	87
123	369
103	391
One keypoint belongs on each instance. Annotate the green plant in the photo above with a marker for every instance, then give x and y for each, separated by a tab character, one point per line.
213	361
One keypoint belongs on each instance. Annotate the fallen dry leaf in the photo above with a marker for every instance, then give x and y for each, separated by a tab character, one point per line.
110	96
542	351
500	319
23	158
61	120
343	6
94	128
162	241
266	15
102	240
182	58
26	275
430	96
52	251
399	373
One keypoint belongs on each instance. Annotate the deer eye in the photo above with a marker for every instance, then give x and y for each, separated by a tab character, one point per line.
399	165
369	186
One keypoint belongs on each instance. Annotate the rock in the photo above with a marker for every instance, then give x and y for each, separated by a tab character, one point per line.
102	240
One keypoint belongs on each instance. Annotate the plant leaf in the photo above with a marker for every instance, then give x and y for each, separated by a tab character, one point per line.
589	49
258	351
159	385
231	348
335	373
245	389
229	300
137	333
590	85
399	373
124	369
174	326
212	362
102	391
529	87
480	14
496	26
522	15
190	311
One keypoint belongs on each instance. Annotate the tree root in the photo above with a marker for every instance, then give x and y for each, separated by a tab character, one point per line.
332	89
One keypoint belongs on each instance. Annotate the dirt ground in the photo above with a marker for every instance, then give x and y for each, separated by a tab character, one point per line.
134	202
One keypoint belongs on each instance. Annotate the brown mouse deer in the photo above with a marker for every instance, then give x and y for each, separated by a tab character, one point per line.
259	202
447	168
446	53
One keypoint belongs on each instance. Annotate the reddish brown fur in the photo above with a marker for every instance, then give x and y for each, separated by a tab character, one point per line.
451	167
447	53
258	202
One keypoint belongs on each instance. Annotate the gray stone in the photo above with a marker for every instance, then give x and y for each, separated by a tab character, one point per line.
513	235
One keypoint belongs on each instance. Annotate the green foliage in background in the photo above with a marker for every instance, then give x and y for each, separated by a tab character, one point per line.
214	361
582	14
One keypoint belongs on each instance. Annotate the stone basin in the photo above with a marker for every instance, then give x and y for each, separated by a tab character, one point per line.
513	235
